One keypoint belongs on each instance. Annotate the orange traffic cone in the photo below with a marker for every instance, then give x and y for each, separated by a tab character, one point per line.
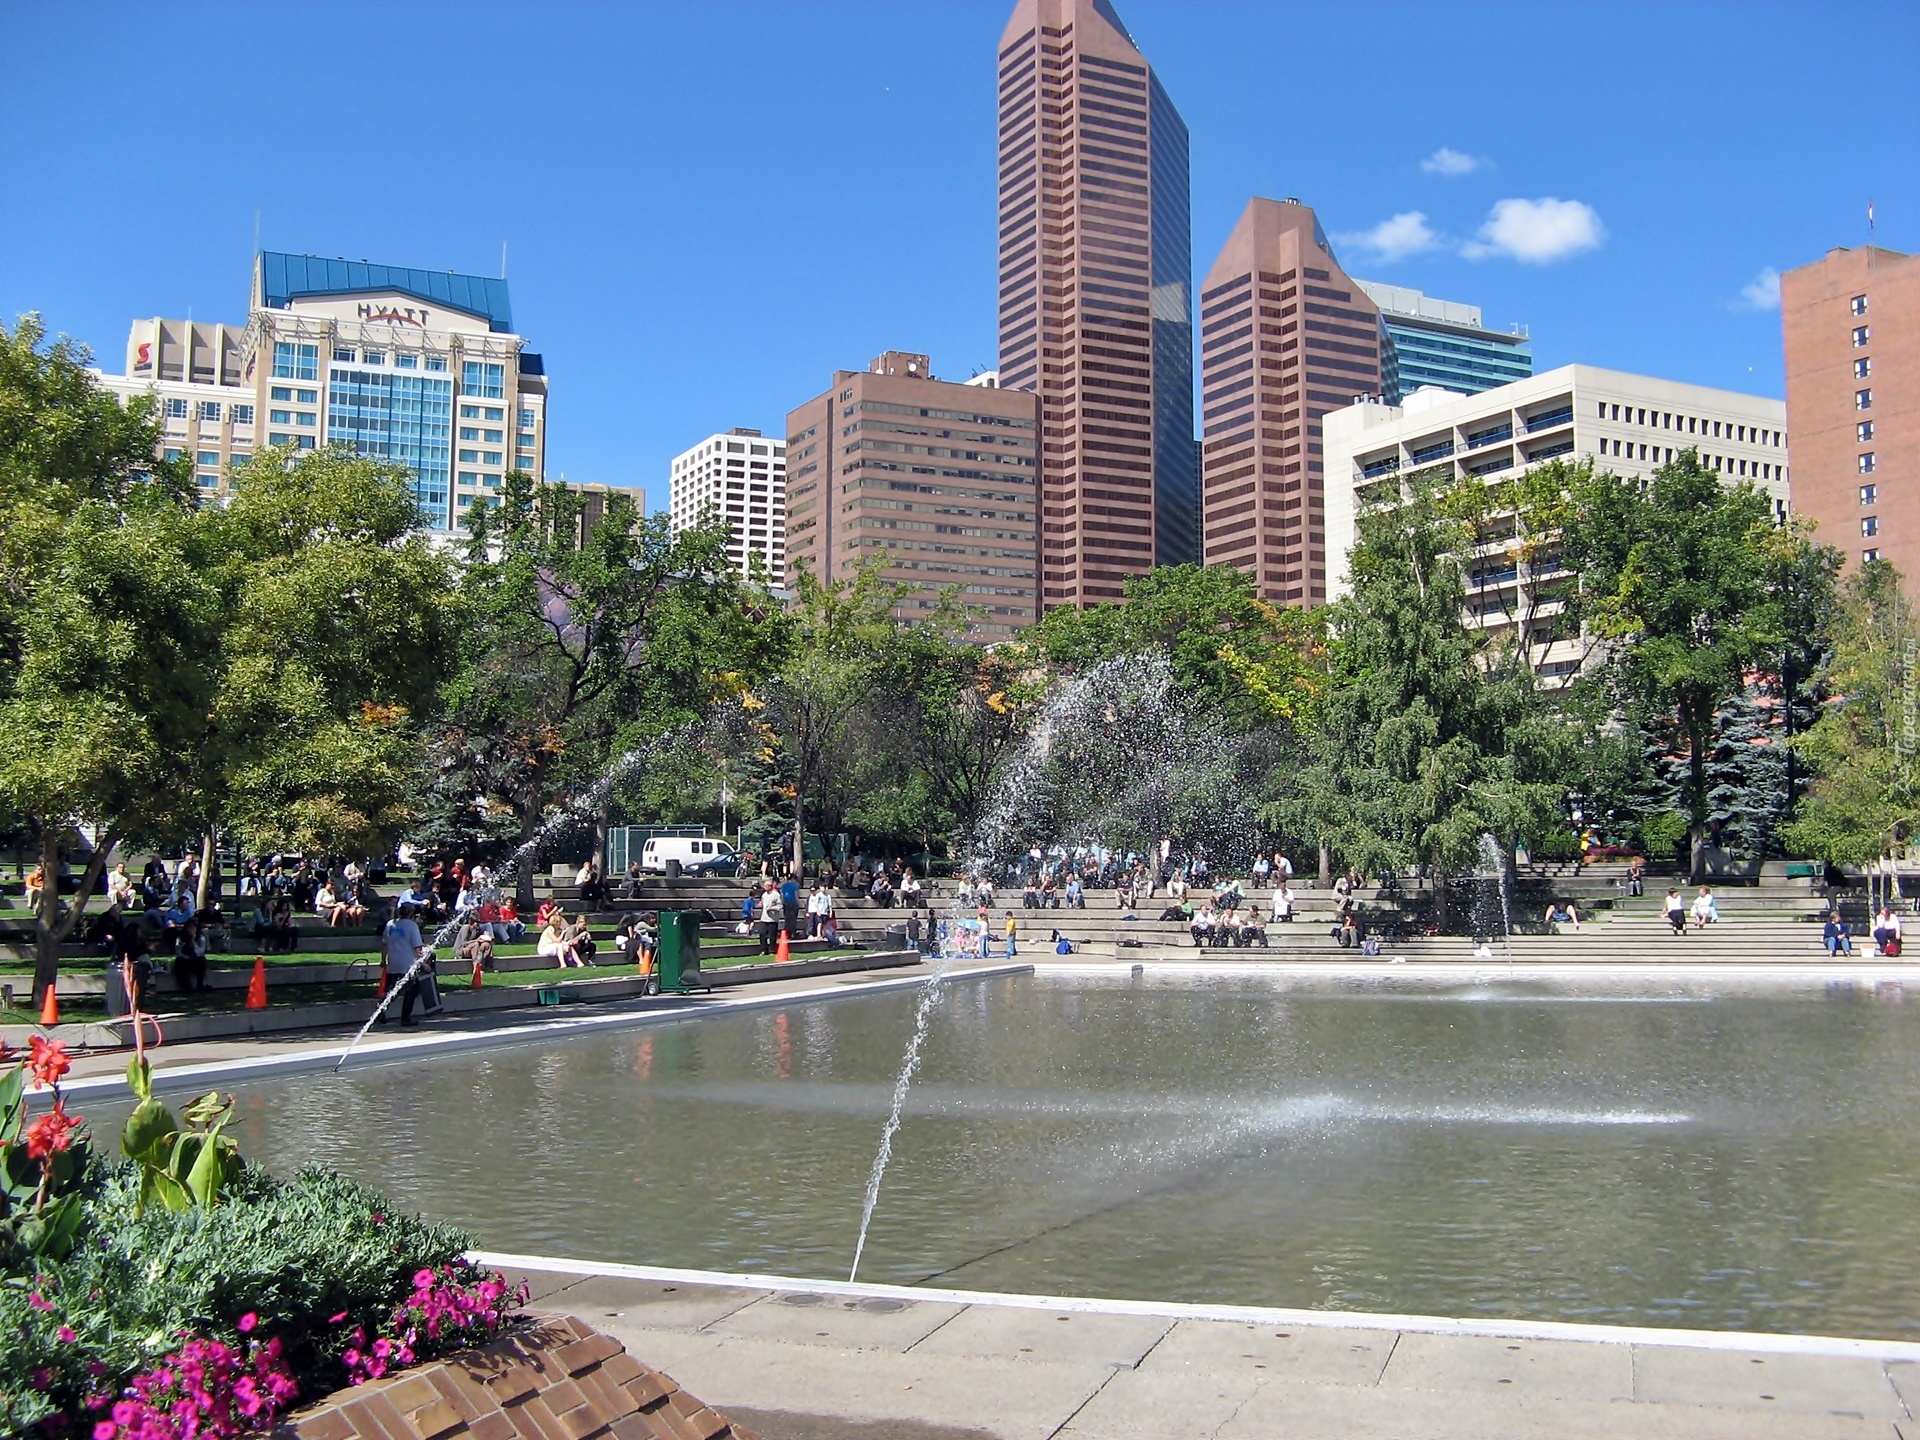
257	986
477	981
781	951
49	1009
383	981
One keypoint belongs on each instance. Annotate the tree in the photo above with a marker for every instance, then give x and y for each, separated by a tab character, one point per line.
342	626
1417	749
1259	662
1864	801
107	621
838	647
1673	576
583	641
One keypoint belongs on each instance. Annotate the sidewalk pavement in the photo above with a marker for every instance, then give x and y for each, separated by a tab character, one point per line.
800	1364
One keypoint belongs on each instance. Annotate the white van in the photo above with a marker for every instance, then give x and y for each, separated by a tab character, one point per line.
686	855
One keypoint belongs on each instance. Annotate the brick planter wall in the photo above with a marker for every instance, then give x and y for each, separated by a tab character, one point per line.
558	1379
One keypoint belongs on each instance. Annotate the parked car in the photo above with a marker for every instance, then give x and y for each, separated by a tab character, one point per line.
675	855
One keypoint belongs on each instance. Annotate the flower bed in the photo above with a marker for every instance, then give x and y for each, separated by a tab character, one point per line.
179	1292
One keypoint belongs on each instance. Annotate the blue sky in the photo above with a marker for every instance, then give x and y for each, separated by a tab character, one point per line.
708	208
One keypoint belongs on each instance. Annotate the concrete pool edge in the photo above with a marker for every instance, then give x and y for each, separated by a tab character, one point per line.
1733	1340
1786	971
431	1045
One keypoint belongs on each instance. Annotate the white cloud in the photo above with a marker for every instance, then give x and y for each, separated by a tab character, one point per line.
1537	231
1405	234
1450	162
1762	292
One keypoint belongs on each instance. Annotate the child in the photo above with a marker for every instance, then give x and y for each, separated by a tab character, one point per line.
1013	930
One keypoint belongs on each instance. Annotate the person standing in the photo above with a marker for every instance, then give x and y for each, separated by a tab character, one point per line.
769	914
790	906
1013	933
401	943
819	911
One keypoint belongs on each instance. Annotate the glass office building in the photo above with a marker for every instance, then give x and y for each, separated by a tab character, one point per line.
1442	343
421	368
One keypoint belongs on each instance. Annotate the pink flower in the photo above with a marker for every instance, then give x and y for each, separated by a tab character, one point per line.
105	1430
246	1322
336	1319
67	1337
38	1301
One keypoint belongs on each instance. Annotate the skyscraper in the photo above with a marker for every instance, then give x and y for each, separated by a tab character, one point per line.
1442	342
1851	326
1096	310
1285	337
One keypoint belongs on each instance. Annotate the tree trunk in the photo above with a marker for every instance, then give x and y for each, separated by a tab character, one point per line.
1326	866
50	927
524	869
46	935
206	873
1440	915
799	833
1697	804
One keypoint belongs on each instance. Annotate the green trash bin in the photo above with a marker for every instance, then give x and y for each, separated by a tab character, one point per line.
678	962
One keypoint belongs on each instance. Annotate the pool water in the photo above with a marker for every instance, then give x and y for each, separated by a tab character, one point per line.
1707	1157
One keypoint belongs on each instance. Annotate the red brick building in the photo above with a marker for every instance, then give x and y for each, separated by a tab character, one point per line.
1851	327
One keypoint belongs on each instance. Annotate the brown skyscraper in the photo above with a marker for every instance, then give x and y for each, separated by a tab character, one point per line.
1285	337
936	476
1851	324
1096	313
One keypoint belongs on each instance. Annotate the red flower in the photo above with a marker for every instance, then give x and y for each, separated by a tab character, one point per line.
50	1132
48	1060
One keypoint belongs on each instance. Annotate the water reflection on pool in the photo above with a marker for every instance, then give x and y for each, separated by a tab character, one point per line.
1705	1157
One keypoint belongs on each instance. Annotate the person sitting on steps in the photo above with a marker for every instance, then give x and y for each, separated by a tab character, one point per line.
1676	912
1838	938
1563	912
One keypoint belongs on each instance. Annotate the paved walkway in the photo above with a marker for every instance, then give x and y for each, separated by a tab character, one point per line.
866	1362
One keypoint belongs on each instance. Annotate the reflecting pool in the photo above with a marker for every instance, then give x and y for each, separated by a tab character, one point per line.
1705	1156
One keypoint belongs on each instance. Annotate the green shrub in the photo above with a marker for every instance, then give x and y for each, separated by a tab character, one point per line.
314	1258
1662	834
1554	845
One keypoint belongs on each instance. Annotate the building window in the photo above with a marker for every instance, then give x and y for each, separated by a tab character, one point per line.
436	363
240	457
404	361
526	419
1867	557
477	377
343	353
242	414
1869	494
1866	463
1862	367
208	457
1861	334
209	409
175	409
1859	305
1863	399
1869	525
279	417
295	362
1864	430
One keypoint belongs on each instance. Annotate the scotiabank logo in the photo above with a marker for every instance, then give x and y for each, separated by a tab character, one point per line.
143	357
395	314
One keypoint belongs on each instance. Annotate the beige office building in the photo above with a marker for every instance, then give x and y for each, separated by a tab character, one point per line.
938	478
203	400
1630	424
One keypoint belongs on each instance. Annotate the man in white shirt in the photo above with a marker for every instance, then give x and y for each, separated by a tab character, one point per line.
402	944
